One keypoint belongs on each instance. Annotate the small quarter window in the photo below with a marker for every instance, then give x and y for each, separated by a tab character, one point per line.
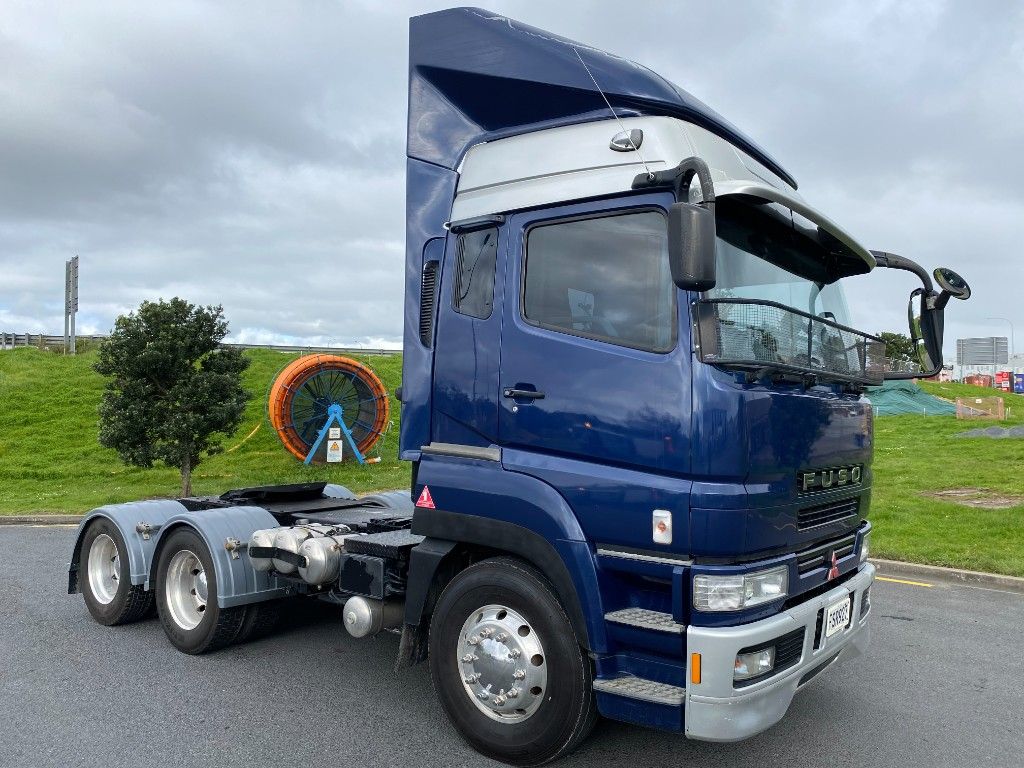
604	278
473	291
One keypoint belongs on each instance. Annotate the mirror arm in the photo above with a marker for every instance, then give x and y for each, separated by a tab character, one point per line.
892	261
678	179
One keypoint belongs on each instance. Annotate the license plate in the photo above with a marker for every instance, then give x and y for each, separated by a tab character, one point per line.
837	616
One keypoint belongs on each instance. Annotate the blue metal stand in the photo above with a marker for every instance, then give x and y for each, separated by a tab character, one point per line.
334	413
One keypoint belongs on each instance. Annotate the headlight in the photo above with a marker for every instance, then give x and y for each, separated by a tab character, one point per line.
865	546
734	593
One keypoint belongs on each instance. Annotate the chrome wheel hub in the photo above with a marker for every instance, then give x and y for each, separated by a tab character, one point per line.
501	659
104	568
186	590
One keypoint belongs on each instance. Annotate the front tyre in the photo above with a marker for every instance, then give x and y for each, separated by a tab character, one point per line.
105	579
507	667
186	596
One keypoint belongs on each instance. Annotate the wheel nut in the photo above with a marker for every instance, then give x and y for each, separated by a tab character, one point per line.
501	638
499	701
515	653
513	693
473	640
469	658
519	674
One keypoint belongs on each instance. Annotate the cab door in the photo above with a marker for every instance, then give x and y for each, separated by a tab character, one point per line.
594	370
467	347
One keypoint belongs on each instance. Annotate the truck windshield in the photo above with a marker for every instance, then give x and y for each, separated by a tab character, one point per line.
758	257
777	303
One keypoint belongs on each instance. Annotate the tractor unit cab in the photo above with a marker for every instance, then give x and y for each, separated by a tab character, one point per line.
632	400
627	347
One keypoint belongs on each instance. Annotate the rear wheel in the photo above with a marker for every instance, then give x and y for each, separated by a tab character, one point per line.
186	595
259	621
105	578
507	667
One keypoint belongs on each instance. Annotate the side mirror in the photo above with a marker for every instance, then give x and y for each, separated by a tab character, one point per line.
691	246
925	336
952	285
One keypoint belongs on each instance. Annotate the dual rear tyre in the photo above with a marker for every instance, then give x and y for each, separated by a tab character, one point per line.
185	591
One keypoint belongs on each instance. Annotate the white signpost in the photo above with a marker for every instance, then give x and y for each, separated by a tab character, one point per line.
70	303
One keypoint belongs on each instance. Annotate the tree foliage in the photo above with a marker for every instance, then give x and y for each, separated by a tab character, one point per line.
173	389
899	347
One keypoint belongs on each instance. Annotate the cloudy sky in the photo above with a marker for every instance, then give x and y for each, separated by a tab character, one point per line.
251	154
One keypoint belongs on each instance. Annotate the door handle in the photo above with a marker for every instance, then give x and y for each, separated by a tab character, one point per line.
529	394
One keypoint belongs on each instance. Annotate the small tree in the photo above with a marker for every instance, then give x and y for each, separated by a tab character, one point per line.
899	347
172	387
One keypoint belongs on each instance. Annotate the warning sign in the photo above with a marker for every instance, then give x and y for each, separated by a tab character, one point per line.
425	500
334	433
334	451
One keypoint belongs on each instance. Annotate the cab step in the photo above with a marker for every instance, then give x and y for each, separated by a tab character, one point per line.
632	687
642	618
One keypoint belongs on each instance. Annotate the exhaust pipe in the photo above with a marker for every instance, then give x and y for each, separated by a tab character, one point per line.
365	616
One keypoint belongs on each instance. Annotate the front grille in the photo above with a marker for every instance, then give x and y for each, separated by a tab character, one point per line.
788	650
820	556
822	514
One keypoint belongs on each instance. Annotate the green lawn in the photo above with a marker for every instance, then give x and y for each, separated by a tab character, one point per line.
50	461
915	455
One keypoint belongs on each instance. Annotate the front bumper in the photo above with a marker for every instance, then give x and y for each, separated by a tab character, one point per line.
717	711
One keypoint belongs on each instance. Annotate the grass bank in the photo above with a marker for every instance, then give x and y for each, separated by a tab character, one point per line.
947	500
51	459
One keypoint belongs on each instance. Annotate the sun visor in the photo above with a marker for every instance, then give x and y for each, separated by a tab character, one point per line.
855	258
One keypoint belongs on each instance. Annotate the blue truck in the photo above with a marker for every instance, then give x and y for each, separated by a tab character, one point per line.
632	405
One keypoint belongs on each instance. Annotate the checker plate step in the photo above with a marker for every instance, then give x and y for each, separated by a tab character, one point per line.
645	619
633	687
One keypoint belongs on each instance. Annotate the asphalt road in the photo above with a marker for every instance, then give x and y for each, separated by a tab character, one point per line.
943	685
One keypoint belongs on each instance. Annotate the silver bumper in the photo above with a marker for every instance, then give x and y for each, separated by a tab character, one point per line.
717	711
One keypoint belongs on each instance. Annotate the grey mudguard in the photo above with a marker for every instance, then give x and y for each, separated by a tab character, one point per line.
238	583
126	517
335	491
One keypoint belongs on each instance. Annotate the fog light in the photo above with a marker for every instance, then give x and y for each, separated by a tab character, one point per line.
754	663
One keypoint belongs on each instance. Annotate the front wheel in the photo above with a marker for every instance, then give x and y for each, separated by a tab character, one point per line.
507	667
186	596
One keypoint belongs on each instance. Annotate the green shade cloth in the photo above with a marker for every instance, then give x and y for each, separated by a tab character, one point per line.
898	397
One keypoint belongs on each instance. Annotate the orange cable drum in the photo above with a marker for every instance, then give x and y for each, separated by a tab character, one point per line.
304	390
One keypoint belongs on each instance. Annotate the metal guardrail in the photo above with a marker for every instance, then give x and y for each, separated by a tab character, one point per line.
43	340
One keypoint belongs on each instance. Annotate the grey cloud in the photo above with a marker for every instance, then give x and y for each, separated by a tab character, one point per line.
251	154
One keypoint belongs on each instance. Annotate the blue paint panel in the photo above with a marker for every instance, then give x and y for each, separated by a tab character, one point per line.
467	353
485	489
430	191
660	716
613	504
749	443
476	76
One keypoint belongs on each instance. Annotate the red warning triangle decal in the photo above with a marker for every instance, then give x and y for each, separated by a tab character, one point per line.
425	500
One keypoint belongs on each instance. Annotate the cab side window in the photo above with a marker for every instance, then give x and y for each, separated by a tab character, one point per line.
604	278
473	289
